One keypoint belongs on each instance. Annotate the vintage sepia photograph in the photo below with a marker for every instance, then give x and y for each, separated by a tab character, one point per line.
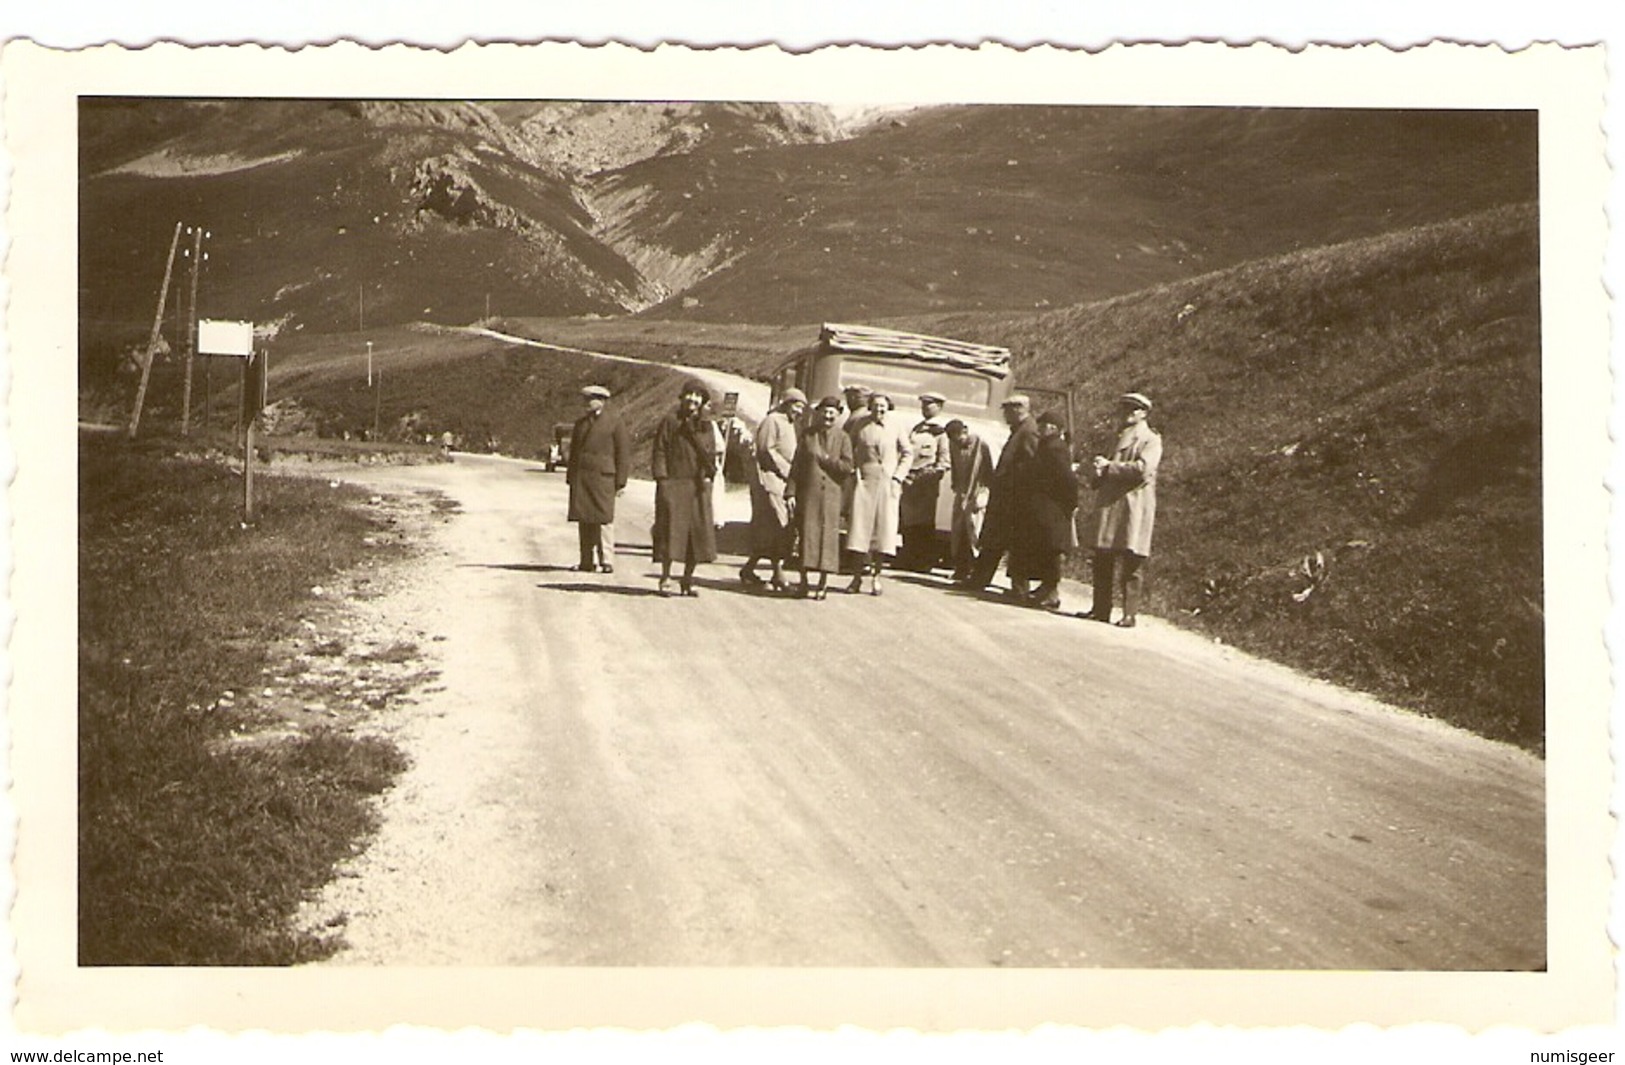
581	421
595	534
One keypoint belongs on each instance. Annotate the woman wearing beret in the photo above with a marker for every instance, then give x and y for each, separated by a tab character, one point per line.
822	467
684	464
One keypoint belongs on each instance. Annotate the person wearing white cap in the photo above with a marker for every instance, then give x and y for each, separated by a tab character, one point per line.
600	464
1126	510
769	478
922	488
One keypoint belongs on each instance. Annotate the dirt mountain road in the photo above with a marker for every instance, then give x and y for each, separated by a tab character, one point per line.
926	778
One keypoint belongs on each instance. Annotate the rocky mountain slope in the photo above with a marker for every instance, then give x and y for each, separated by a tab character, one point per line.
346	215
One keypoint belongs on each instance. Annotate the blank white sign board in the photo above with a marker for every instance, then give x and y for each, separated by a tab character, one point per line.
218	337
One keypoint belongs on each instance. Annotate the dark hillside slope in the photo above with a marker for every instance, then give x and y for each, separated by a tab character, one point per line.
960	208
322	215
488	394
1353	468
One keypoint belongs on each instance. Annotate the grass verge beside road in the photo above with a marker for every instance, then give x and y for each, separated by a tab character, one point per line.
194	850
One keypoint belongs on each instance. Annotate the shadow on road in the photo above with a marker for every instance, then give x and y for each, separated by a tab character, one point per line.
600	589
520	567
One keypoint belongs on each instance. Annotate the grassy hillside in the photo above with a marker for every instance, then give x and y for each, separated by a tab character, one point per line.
966	208
1352	480
194	849
488	394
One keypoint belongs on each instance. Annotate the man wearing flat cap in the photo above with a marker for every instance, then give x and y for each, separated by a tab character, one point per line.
1009	473
600	464
1126	509
922	488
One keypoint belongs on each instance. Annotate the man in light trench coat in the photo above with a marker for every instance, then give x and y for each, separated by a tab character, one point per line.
600	464
1126	510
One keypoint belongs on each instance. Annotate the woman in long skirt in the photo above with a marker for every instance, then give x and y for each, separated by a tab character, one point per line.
769	478
822	467
881	452
684	465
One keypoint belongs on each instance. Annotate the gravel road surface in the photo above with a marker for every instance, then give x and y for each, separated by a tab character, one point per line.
927	778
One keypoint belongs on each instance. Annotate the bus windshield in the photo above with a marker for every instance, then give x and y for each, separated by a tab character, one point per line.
968	393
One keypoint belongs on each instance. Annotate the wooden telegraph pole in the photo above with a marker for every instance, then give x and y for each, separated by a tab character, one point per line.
152	341
191	335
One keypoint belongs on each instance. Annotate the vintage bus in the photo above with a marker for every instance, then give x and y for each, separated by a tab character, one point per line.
975	379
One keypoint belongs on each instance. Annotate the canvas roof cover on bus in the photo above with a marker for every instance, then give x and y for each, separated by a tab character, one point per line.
983	358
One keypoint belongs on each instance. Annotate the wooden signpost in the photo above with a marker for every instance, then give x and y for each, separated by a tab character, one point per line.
236	340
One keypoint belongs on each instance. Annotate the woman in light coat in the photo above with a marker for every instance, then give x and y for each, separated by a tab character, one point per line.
822	468
881	452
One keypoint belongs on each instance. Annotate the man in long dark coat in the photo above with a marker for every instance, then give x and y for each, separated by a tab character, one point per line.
1047	499
599	466
998	525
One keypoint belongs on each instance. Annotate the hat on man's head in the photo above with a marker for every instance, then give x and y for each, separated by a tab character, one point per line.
1049	417
933	397
1017	401
1135	399
792	395
595	392
829	401
862	390
953	426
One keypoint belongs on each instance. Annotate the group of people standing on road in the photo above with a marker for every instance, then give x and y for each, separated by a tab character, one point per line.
846	483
